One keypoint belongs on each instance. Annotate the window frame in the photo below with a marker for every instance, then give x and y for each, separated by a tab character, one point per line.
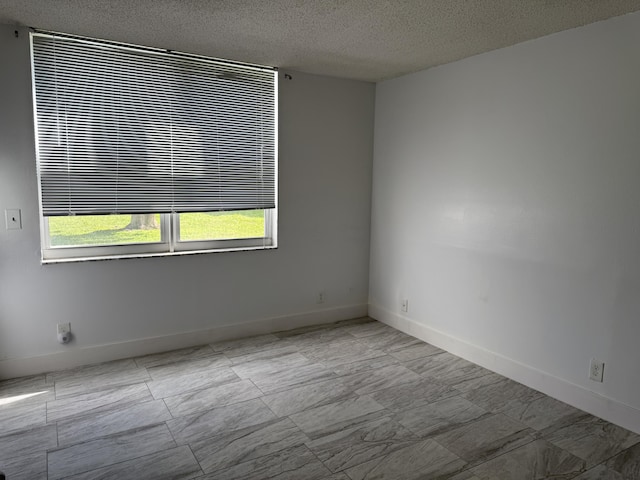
169	243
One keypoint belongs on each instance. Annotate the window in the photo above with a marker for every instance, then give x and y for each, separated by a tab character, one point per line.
147	152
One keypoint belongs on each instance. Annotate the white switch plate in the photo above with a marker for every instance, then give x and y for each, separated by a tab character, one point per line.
13	218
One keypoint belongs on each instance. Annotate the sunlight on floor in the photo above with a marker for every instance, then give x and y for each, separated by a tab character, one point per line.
17	398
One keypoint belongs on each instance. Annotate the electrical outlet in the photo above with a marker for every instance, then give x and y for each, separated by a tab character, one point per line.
596	370
64	328
64	333
321	298
405	306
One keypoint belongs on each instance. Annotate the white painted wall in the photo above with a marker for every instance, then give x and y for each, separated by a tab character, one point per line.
506	208
326	141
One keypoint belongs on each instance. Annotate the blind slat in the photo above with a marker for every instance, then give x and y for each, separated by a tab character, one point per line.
127	131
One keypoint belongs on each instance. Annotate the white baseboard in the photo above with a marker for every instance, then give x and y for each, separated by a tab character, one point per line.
599	405
78	356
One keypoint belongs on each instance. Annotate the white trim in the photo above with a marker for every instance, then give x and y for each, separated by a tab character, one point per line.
561	389
78	356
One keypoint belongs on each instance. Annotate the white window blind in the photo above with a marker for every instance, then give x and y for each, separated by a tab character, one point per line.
126	130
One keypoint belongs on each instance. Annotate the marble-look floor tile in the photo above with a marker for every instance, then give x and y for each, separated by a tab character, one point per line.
422	460
23	384
353	446
336	416
208	398
367	329
172	370
546	414
115	366
390	341
593	439
339	351
601	472
97	402
365	365
295	332
439	417
380	379
243	346
447	368
218	421
309	337
292	464
267	354
537	460
466	475
88	456
30	467
184	354
353	322
312	395
474	383
25	442
413	394
627	462
228	449
20	416
72	386
414	352
287	379
189	381
118	420
485	438
26	390
270	366
508	397
176	463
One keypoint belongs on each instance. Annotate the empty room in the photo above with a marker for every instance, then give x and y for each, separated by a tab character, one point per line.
320	240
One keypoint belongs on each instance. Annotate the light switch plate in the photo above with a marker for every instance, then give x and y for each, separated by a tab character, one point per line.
13	218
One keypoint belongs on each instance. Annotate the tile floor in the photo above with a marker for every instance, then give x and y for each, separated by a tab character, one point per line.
355	400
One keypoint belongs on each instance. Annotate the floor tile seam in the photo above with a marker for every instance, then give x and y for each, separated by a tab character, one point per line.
187	371
301	385
513	450
319	460
135	359
100	388
255	386
112	464
216	470
545	432
203	387
90	376
207	407
470	465
409	443
447	428
270	409
492	411
104	409
195	458
413	359
603	462
192	390
383	412
369	392
110	435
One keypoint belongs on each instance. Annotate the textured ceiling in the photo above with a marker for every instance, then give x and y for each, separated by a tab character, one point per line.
361	39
